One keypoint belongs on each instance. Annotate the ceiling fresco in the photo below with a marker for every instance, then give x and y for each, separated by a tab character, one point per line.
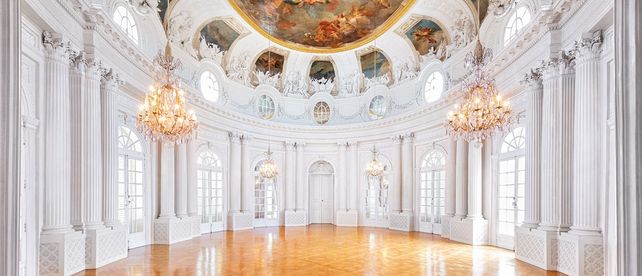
426	35
321	26
216	32
322	69
375	64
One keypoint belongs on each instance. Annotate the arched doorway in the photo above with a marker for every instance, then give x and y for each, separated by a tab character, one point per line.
321	179
209	187
510	186
266	208
431	191
131	185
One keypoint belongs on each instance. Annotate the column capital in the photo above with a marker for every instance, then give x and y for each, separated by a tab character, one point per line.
235	137
533	79
590	46
54	46
109	79
78	62
351	143
300	144
396	139
408	137
289	145
567	61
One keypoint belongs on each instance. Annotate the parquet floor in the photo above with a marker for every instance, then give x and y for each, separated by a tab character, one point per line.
318	250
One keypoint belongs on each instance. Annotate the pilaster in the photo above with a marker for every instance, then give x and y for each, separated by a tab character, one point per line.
461	180
109	142
534	93
180	180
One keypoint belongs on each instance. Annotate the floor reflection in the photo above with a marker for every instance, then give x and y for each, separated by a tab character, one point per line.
318	250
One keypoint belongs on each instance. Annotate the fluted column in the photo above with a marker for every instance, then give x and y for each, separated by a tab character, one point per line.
565	187
92	149
77	93
192	170
57	131
451	167
109	142
534	114
408	169
475	180
461	179
341	176
588	127
290	173
394	186
235	173
353	198
167	185
247	183
550	148
180	179
300	177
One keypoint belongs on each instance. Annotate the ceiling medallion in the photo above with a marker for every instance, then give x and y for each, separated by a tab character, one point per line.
322	26
483	111
162	117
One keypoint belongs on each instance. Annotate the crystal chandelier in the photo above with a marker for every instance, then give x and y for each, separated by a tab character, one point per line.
162	117
268	169
375	168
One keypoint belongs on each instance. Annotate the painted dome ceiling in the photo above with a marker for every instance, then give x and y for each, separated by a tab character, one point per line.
321	26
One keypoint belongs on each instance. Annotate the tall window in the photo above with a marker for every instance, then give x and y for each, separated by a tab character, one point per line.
377	197
209	86
265	204
432	182
510	193
130	180
520	18
209	187
125	20
434	87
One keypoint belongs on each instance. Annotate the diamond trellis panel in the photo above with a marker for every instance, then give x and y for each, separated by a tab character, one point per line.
458	231
530	247
161	232
445	227
399	222
554	252
181	230
593	260
112	245
75	254
49	262
566	253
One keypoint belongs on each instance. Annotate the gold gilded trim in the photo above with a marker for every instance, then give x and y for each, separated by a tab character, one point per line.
394	18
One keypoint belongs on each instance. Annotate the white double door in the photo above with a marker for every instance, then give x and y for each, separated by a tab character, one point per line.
321	198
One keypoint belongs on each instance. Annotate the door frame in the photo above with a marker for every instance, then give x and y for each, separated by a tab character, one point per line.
332	193
429	227
212	227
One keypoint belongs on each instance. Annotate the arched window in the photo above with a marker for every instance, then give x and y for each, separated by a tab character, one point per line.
520	18
510	188
377	108
125	20
434	87
266	107
131	181
209	185
209	86
432	182
266	211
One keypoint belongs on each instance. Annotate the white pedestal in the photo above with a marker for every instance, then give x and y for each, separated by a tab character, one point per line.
347	218
537	247
62	254
400	221
172	230
104	246
469	231
445	226
296	218
240	221
580	254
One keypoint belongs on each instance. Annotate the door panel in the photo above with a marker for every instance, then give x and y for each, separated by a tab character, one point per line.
321	198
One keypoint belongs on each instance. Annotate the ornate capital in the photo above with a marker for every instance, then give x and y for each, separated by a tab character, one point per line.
533	78
289	145
567	61
54	46
235	137
397	139
77	61
408	137
589	47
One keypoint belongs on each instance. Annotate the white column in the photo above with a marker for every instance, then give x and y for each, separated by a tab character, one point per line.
290	173
461	179
109	142
192	198
235	173
247	183
354	177
180	179
475	180
588	127
565	186
77	93
167	181
550	147
92	150
408	172
534	114
300	177
487	178
57	130
394	187
342	184
451	178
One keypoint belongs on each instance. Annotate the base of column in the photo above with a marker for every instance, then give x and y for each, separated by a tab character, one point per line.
400	221
296	218
469	231
62	253
172	230
445	226
104	246
580	254
240	221
347	218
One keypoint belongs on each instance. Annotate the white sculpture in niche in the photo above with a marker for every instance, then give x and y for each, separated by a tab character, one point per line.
294	85
463	31
210	50
267	78
380	80
238	69
322	85
179	33
350	87
406	70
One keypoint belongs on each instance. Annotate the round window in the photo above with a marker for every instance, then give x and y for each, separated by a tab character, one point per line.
266	107
322	112
377	108
434	87
209	86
